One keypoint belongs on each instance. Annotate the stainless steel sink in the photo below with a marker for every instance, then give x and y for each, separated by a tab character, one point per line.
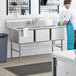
16	33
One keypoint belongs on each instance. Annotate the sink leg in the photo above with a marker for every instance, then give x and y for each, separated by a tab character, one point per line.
11	50
54	66
61	45
19	53
52	46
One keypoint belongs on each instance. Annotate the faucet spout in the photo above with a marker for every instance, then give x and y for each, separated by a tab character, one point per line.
35	20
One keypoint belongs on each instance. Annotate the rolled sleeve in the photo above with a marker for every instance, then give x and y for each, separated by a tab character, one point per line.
67	15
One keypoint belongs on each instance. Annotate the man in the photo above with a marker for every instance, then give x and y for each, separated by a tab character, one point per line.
69	19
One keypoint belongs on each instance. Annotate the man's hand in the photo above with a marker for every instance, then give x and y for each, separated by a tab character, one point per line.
64	22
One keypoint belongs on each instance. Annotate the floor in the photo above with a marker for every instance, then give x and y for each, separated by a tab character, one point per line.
24	61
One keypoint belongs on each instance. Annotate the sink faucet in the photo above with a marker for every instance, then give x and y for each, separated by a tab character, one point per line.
35	20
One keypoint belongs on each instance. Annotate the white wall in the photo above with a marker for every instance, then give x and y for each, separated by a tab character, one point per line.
74	4
35	7
34	13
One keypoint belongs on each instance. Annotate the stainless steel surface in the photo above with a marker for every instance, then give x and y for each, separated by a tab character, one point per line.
19	52
28	39
61	45
16	51
11	50
42	33
16	36
52	46
38	27
35	20
57	34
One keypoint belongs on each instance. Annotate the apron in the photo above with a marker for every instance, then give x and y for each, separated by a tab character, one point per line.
70	36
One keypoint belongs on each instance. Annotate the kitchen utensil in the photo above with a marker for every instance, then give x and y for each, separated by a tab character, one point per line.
23	11
10	9
15	11
13	3
14	8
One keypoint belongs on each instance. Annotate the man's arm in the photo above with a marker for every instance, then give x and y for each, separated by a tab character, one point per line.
66	18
